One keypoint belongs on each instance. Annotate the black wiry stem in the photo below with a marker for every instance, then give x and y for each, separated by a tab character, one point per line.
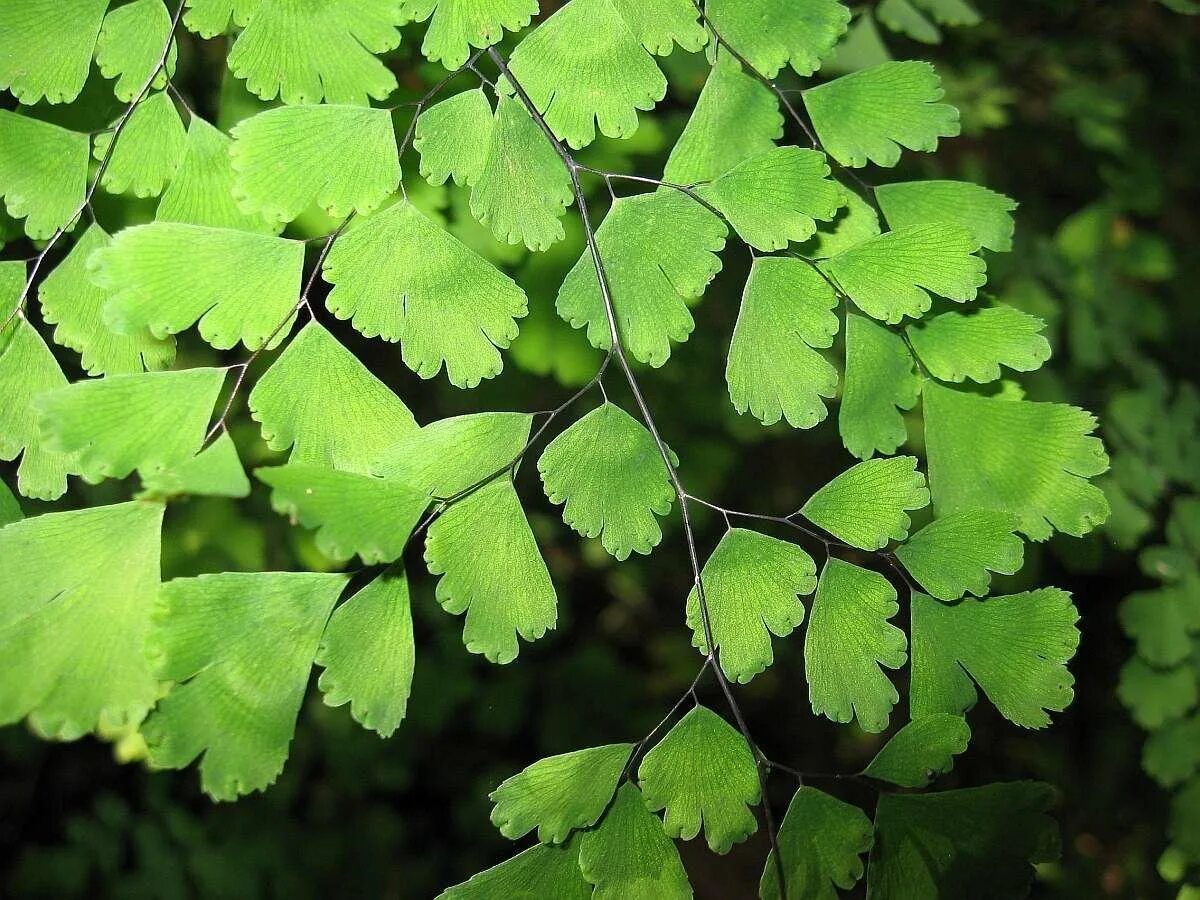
681	494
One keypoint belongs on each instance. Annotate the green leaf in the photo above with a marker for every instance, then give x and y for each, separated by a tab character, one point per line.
861	48
978	842
214	472
541	871
855	223
820	841
1171	755
586	66
608	472
703	771
215	635
73	617
167	276
950	12
629	857
880	383
955	555
523	188
890	276
308	52
453	137
903	18
1037	456
449	456
866	505
560	793
10	507
147	152
131	45
774	33
870	114
751	585
849	638
353	513
659	251
774	369
986	214
735	119
318	399
27	368
660	25
208	18
775	197
491	569
1184	827
201	193
402	277
341	158
43	171
46	48
921	750
1160	622
1014	647
150	421
72	303
1156	696
368	655
458	25
954	346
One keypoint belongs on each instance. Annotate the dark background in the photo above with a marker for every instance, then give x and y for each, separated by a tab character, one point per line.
1067	107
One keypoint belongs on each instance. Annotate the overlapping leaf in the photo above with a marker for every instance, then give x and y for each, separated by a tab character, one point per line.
986	214
752	583
402	277
849	639
455	26
148	150
659	252
776	197
589	63
318	399
353	513
131	44
1032	460
820	840
73	304
1014	647
46	47
74	616
341	158
608	473
628	855
560	793
735	119
868	504
308	52
869	115
702	771
368	654
956	554
890	276
149	421
776	33
921	750
168	276
491	570
955	346
214	634
881	383
43	172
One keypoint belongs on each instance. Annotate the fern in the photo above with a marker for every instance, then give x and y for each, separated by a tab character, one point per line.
847	301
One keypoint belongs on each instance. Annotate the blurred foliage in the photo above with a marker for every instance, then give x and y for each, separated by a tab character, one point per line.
1078	110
